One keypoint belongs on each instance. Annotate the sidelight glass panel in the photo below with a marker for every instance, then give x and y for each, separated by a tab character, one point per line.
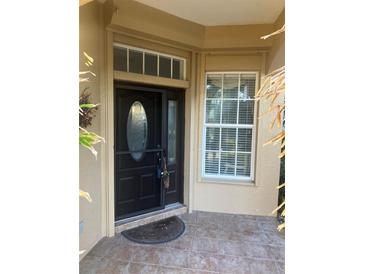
137	130
172	121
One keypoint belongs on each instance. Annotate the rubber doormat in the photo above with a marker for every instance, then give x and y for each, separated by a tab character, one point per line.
157	232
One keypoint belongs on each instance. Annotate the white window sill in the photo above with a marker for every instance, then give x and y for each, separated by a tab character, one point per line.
230	181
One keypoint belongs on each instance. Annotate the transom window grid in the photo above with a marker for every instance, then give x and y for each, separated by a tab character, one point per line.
230	154
175	62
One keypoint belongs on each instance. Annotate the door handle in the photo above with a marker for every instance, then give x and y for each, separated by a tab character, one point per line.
165	173
162	172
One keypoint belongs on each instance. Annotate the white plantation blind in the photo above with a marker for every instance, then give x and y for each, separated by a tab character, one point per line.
229	125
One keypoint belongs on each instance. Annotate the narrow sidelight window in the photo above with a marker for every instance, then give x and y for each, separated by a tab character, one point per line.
172	123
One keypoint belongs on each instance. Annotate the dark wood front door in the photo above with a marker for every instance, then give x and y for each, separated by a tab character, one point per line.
148	129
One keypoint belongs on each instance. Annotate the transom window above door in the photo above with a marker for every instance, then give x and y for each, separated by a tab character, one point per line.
147	62
229	125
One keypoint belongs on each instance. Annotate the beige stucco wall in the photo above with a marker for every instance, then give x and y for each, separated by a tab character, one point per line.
90	169
247	36
141	18
260	196
276	56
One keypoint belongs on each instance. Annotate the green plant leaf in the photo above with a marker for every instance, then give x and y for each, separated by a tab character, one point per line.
88	105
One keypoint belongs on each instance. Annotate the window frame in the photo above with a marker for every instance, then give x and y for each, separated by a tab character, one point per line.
158	54
221	178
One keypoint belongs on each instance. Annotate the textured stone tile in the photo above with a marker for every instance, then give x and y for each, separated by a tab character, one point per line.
104	246
211	243
106	267
189	218
258	251
203	261
213	218
262	267
173	257
89	264
265	218
230	226
125	241
243	217
207	217
120	267
138	268
173	270
275	238
211	225
270	226
184	242
248	226
190	230
254	237
122	252
232	236
245	249
195	271
280	267
97	266
206	245
233	264
145	254
231	248
208	233
277	252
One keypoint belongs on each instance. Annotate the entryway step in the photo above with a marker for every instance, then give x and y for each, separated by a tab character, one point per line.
169	211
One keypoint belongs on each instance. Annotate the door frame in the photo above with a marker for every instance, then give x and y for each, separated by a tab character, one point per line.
163	90
194	72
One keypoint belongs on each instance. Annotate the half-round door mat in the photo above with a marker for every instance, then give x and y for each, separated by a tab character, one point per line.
157	232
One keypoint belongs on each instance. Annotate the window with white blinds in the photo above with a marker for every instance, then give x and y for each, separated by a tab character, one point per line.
229	125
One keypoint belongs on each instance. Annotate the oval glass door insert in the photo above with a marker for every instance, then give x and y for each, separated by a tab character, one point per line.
137	130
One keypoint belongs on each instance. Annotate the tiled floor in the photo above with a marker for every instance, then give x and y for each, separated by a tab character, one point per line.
211	243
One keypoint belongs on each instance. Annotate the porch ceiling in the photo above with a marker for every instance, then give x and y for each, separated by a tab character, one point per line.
221	12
